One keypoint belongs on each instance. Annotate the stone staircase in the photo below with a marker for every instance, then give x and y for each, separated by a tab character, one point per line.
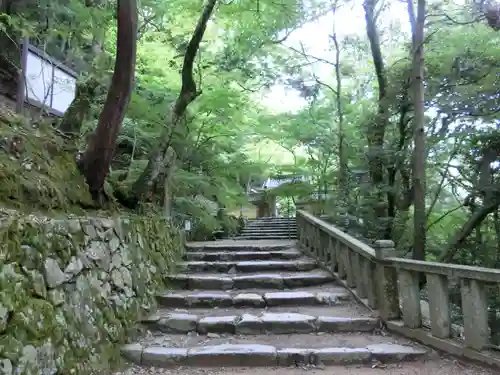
269	228
261	303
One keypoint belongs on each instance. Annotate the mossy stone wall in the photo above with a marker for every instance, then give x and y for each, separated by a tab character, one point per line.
72	290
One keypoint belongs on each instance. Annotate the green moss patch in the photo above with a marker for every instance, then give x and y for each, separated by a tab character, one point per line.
71	290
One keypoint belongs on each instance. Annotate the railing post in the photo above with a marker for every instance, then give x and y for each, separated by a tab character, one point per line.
386	279
439	305
475	310
410	298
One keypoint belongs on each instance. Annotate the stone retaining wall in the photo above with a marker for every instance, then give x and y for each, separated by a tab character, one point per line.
72	290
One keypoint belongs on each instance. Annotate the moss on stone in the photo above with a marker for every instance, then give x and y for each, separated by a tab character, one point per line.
112	270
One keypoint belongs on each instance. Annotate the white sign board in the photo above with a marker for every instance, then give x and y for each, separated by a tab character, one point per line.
48	85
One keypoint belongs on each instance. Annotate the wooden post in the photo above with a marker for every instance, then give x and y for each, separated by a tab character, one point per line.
21	79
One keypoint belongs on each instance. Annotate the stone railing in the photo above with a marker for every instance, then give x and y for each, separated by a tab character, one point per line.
390	285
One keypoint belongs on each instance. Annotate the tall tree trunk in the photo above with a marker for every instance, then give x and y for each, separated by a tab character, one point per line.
376	131
79	110
418	165
344	190
188	94
96	161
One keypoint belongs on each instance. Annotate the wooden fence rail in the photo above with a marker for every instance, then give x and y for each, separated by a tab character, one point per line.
390	285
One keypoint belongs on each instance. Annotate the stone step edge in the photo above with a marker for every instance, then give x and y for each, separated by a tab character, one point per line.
241	256
240	238
259	355
248	324
250	299
267	280
246	266
238	247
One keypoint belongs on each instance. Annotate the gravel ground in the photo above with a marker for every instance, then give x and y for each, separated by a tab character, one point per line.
437	366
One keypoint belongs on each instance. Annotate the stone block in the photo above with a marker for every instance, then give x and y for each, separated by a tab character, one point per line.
284	323
264	281
294	357
228	355
341	324
177	322
341	356
289	298
209	282
394	352
249	300
300	279
132	352
172	300
164	357
209	299
249	324
217	324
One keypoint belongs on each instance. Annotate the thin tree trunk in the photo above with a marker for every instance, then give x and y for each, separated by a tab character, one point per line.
418	165
96	161
376	132
188	94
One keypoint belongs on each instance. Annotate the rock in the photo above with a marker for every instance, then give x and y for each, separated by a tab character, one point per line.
90	231
10	347
32	257
126	276
56	297
117	278
53	274
4	315
74	226
28	361
114	244
38	284
212	335
6	367
74	267
98	252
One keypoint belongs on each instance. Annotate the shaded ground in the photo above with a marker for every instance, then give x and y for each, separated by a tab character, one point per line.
434	366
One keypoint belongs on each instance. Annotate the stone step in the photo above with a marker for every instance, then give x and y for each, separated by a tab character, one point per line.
274	231
267	234
240	245
248	266
241	255
259	322
270	350
271	227
265	237
271	219
259	280
332	296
